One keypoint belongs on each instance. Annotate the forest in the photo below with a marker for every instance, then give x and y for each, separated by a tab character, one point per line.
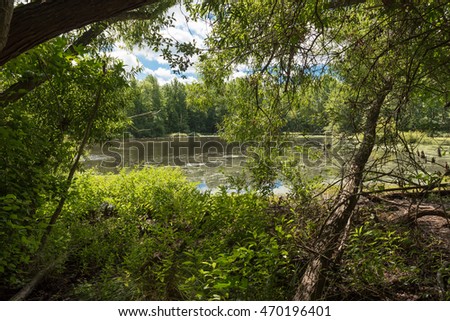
366	83
157	110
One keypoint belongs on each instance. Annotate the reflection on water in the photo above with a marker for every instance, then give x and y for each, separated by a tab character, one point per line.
209	160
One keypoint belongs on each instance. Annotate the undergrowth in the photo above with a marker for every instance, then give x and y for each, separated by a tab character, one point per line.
151	235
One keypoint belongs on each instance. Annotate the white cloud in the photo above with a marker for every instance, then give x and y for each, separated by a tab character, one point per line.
152	63
187	80
237	74
129	59
183	30
182	21
199	28
240	71
165	75
180	34
150	55
191	70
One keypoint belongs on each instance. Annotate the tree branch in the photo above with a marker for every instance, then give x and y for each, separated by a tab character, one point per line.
133	15
29	82
35	23
29	287
86	135
6	11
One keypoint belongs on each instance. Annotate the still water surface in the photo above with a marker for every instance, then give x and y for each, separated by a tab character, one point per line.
209	160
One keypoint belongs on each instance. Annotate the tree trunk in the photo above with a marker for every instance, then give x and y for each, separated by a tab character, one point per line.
35	23
332	232
6	10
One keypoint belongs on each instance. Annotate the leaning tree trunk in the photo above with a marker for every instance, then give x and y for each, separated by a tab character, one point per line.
332	233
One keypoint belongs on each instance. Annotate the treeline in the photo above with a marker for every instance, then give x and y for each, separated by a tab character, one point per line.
160	110
156	110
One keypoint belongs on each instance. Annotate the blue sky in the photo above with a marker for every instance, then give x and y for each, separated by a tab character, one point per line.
152	63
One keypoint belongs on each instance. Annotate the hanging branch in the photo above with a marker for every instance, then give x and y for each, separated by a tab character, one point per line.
27	83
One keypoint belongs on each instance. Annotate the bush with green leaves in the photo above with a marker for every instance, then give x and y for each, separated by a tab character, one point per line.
256	268
150	234
383	261
40	135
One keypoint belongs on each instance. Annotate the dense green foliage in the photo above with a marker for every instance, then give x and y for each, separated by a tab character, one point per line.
57	98
340	56
172	108
40	135
369	70
150	234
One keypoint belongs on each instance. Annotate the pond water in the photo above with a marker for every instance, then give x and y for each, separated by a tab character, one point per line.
209	160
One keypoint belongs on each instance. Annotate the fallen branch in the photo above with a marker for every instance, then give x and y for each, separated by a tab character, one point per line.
411	211
424	188
29	288
430	212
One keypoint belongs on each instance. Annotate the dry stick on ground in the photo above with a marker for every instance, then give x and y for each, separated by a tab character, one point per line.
420	193
28	289
30	286
424	188
412	212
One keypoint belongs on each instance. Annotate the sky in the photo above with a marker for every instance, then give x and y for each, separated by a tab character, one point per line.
183	30
152	63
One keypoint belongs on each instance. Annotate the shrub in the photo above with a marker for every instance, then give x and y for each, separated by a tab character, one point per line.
150	234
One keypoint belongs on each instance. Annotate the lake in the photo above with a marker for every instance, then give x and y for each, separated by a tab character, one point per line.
209	160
